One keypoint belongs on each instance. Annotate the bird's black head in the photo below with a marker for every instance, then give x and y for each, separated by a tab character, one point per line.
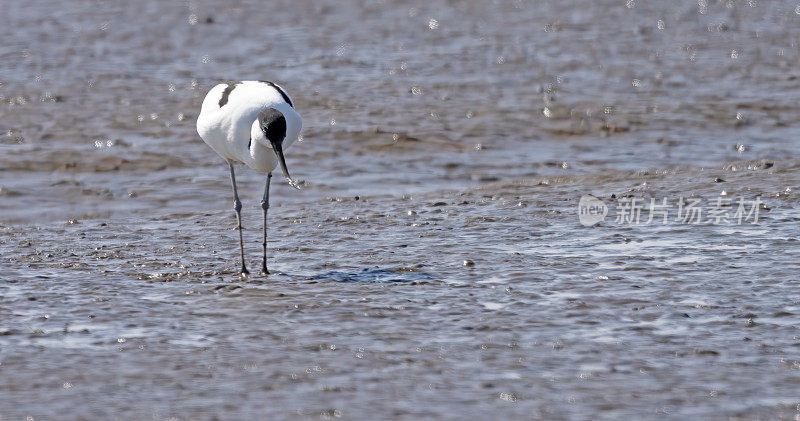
273	124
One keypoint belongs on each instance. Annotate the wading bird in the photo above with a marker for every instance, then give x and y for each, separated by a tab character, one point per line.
250	122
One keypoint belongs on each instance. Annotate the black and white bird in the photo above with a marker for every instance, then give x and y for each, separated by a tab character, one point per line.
250	122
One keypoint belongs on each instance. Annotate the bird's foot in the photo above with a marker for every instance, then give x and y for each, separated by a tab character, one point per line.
244	272
264	270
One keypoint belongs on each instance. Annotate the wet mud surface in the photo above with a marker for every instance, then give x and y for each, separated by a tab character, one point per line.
434	265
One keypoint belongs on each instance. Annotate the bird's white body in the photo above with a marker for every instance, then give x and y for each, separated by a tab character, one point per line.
228	122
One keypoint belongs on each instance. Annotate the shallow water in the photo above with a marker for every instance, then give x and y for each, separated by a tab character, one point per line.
434	265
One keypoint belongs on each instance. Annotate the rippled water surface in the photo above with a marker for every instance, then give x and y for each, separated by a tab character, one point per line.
434	266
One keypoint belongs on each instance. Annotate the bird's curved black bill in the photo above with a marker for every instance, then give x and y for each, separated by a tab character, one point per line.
278	148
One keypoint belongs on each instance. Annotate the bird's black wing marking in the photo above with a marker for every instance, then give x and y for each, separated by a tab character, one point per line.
280	91
250	142
227	92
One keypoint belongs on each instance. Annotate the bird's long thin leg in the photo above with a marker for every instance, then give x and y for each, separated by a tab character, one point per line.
237	206
265	208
